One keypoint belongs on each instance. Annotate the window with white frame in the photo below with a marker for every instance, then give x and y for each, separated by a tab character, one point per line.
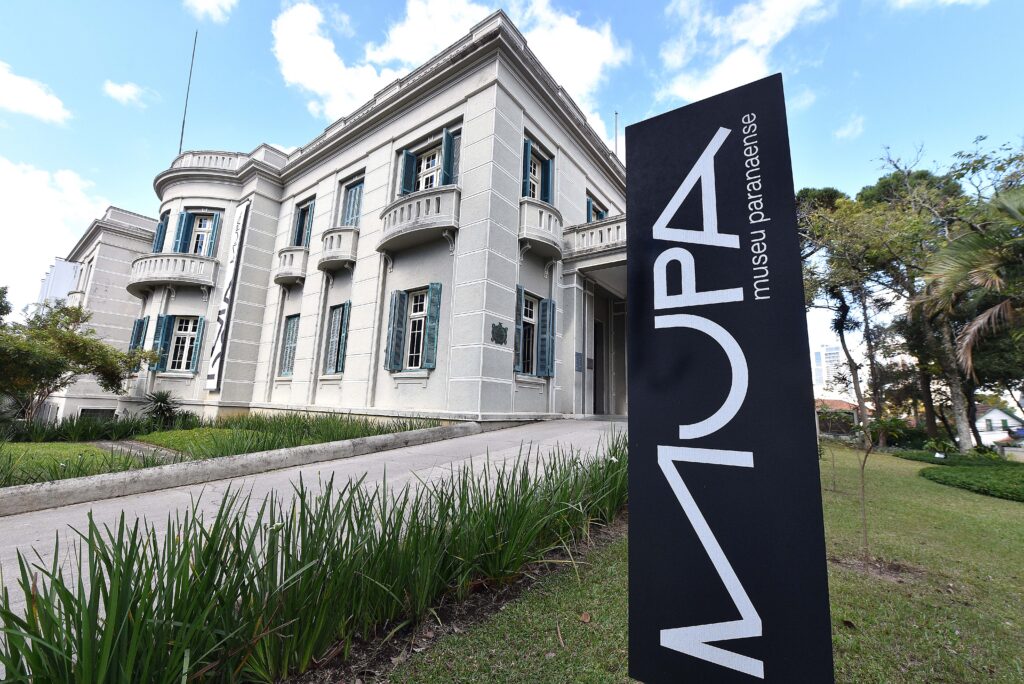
183	343
417	328
351	204
202	230
529	349
428	169
534	188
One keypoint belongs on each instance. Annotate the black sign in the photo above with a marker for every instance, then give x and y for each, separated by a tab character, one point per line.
727	578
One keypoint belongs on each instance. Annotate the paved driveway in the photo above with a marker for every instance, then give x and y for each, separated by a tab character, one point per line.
39	529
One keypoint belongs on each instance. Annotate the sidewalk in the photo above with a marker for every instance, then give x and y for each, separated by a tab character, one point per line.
39	529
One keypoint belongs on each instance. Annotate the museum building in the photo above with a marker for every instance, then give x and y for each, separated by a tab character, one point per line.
455	248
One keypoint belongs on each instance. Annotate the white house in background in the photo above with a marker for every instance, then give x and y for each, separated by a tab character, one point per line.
58	281
454	248
994	424
102	260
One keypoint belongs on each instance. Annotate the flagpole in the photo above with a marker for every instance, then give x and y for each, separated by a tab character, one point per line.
188	89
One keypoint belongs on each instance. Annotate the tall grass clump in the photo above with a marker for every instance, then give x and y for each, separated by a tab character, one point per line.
264	592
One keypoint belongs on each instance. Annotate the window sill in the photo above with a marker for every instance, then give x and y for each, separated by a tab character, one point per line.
283	378
176	375
530	380
333	377
411	377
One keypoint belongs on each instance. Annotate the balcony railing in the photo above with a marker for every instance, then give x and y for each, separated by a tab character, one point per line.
540	228
227	161
420	217
75	298
339	246
291	265
606	234
172	269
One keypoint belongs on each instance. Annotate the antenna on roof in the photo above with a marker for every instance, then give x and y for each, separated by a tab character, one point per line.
181	140
616	134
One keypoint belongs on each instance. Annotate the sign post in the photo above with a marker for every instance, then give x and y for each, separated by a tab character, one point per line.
727	577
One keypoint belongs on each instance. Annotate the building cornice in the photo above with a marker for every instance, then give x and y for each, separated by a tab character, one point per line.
493	36
104	225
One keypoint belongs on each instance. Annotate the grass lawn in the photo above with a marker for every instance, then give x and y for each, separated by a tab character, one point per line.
30	462
195	441
956	616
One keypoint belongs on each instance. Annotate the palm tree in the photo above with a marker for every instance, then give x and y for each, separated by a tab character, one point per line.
983	270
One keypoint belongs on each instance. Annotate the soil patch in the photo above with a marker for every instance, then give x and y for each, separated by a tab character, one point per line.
890	571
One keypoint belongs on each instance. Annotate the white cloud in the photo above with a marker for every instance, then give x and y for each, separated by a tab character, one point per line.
428	27
126	93
905	4
801	100
45	214
853	128
712	53
214	10
23	95
308	59
578	56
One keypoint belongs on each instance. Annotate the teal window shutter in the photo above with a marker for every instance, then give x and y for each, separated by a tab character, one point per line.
396	331
133	342
407	173
346	309
447	158
161	232
547	183
297	226
162	340
456	155
333	336
309	223
518	341
286	364
184	235
211	246
176	245
527	151
433	319
353	204
590	210
546	339
197	350
142	332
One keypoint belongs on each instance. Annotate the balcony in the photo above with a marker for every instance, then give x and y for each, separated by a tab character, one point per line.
420	217
171	269
224	161
339	246
75	298
291	265
598	236
540	228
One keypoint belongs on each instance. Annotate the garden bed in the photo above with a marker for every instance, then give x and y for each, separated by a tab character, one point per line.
34	462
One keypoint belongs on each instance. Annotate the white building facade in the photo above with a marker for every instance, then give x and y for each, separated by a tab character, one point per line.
101	262
455	248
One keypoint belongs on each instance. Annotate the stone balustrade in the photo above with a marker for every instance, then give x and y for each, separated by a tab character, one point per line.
169	268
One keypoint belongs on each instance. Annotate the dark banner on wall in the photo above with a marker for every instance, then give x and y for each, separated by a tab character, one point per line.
220	338
727	577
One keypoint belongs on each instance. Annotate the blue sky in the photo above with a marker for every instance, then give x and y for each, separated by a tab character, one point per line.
91	93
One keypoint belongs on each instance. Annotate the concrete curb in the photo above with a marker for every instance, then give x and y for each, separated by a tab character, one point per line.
37	497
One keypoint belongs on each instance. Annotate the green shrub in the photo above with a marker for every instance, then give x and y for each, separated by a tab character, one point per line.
957	459
1003	481
259	595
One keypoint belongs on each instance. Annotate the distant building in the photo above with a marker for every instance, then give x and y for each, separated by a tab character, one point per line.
102	261
58	281
994	424
826	362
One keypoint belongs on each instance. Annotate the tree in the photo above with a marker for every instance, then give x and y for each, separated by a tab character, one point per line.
52	349
5	305
983	262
